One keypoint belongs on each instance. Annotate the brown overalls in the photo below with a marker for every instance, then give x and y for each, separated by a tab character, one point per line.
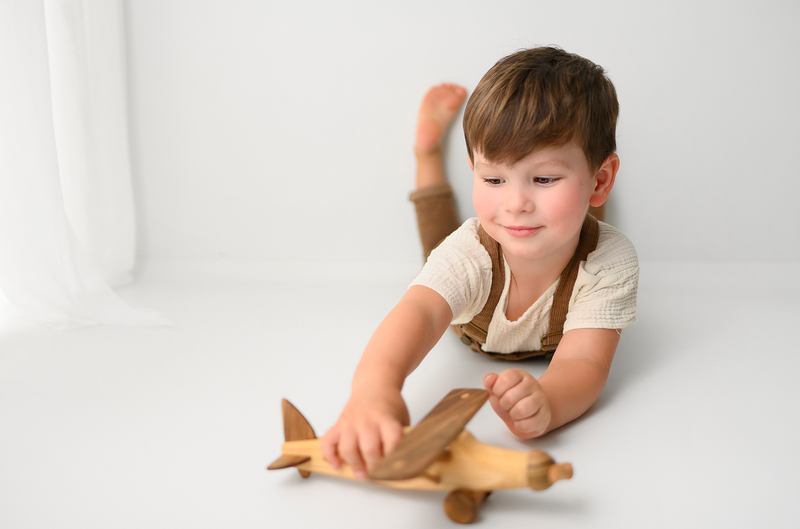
437	218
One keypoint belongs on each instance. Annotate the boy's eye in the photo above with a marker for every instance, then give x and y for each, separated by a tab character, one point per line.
493	181
545	180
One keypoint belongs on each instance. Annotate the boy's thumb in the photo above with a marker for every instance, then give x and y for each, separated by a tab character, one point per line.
489	380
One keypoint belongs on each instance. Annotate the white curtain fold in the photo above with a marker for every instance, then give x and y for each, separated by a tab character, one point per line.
86	51
66	205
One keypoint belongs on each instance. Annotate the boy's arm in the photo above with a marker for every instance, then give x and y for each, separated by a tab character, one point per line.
570	385
371	423
578	372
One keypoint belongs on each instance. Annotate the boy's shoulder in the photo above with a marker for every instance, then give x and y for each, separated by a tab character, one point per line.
466	239
614	252
469	229
461	249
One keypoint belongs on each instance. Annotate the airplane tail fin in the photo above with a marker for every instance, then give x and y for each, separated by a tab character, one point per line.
295	428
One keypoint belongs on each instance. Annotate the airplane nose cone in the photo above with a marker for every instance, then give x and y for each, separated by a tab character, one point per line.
559	471
543	471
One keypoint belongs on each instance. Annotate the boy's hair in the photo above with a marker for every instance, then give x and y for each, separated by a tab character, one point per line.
542	97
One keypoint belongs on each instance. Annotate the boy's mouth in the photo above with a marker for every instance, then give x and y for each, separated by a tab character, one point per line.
521	231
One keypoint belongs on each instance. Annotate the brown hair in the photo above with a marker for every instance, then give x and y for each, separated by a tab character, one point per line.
542	97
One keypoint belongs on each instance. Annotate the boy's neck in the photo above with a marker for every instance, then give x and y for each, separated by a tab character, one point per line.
531	278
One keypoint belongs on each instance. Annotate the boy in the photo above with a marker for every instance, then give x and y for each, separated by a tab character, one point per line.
540	132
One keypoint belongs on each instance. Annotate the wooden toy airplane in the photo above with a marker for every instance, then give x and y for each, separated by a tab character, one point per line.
436	454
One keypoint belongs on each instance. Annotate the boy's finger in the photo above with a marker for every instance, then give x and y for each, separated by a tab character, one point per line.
370	444
489	380
349	452
531	427
328	447
391	433
525	408
495	402
514	395
507	380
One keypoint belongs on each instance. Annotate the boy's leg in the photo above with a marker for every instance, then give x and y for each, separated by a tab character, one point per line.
433	199
436	215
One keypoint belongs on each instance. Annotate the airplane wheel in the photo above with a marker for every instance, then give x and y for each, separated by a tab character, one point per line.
462	506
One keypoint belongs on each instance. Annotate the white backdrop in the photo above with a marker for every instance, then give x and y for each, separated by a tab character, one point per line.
283	130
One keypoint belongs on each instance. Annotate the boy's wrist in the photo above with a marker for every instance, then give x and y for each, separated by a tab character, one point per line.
377	378
374	389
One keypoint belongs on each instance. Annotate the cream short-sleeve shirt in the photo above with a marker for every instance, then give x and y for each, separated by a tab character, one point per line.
604	296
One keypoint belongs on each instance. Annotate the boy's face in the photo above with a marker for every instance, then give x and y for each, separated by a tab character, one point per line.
536	207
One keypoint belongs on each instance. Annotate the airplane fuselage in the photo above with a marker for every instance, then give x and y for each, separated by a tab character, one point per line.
467	464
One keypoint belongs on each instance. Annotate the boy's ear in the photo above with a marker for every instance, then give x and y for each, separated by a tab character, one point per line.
469	161
604	180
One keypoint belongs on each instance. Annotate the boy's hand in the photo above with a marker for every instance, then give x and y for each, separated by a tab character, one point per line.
369	427
520	401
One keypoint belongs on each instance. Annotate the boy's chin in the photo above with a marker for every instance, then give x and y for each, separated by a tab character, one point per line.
521	250
537	248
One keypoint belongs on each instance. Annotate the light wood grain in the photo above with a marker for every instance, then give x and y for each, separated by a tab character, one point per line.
466	464
431	436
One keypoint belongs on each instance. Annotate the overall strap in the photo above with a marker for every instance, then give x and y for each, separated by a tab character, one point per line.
474	333
590	232
477	329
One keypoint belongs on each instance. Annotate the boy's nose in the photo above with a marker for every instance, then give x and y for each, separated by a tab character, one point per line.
518	202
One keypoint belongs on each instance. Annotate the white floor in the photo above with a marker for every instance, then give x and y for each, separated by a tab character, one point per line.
173	428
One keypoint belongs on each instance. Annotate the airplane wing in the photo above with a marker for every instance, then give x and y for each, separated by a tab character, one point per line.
426	442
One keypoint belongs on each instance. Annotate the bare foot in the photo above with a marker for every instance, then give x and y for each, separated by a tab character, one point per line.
437	110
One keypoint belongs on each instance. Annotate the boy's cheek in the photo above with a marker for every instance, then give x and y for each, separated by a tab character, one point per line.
483	197
479	203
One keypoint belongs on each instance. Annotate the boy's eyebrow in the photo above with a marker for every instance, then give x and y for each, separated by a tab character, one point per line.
554	161
550	161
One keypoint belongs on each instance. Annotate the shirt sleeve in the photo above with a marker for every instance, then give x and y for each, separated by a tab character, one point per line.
459	270
605	291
